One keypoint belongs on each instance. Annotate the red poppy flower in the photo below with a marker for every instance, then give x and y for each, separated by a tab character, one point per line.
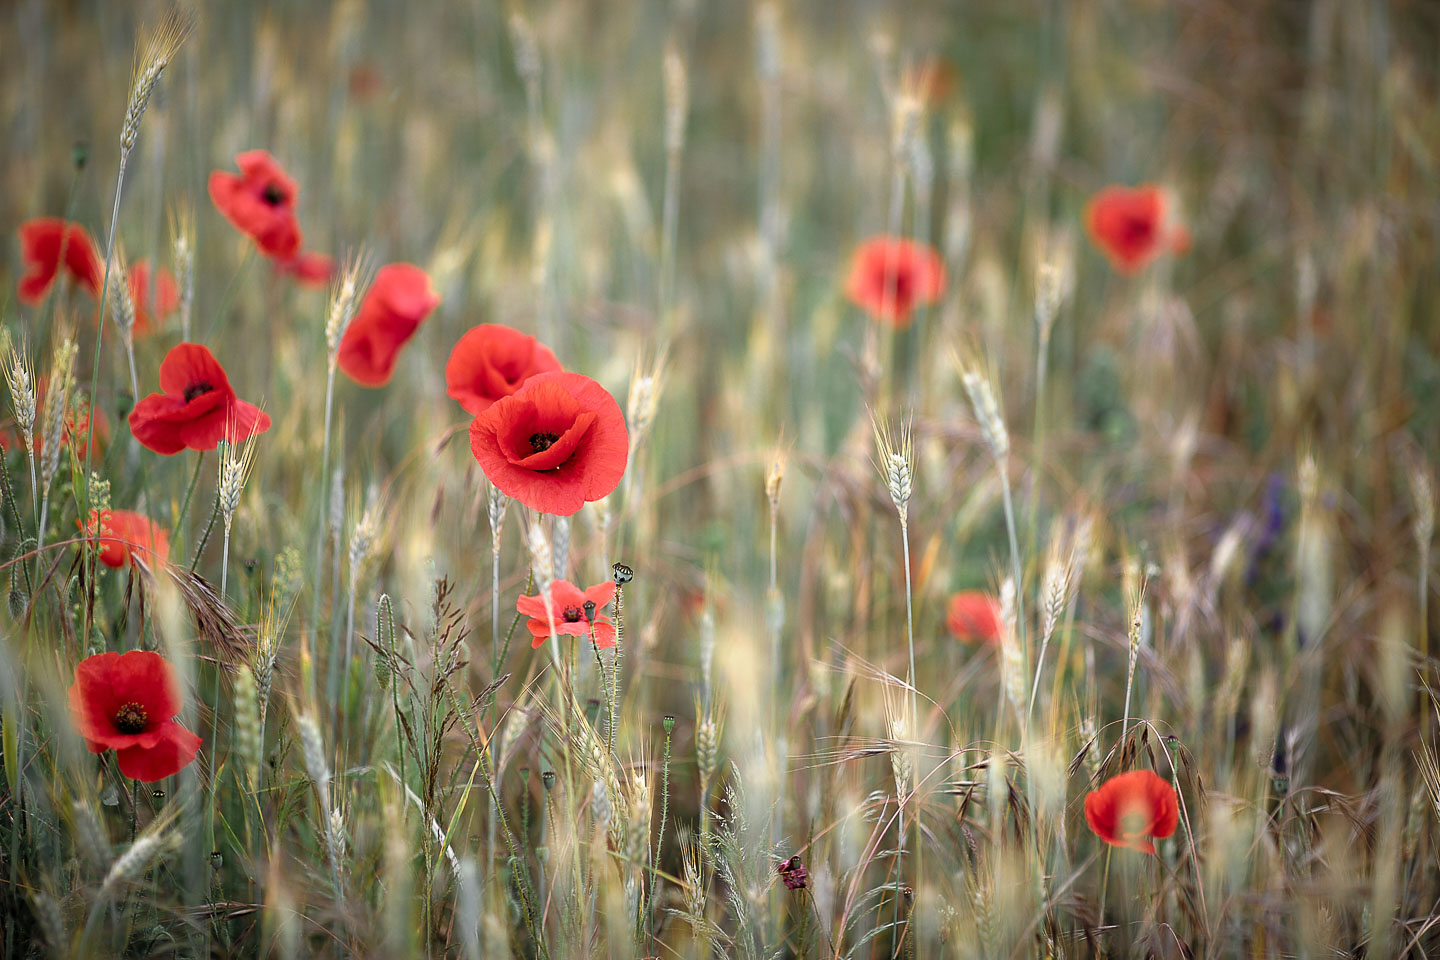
973	616
41	241
1130	226
1132	810
399	298
889	277
308	269
198	407
167	296
259	201
127	702
492	361
125	536
555	444
568	608
77	427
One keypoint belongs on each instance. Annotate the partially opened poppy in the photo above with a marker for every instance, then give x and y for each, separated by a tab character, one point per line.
125	536
197	408
1133	810
1131	226
492	361
127	702
890	277
42	243
399	299
308	269
973	616
150	312
555	444
574	612
259	201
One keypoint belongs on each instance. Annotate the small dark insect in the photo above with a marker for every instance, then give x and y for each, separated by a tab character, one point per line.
622	573
792	873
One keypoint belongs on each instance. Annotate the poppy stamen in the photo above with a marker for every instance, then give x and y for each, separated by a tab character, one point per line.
540	442
130	718
273	195
571	615
197	390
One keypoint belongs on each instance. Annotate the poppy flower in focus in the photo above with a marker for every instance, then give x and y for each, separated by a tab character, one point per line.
41	243
973	616
555	444
259	201
124	536
399	298
1131	226
572	612
197	407
149	313
1133	810
890	277
127	702
492	361
308	269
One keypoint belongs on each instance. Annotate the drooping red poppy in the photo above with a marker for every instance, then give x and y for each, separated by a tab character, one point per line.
127	702
1131	226
124	535
890	277
308	269
399	299
41	243
148	313
259	201
197	408
568	608
555	444
973	616
1133	810
492	361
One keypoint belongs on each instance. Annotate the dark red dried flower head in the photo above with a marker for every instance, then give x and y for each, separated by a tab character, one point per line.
555	444
890	277
492	361
42	243
793	874
125	536
259	201
1131	226
973	616
197	408
127	702
150	312
573	611
1133	810
399	299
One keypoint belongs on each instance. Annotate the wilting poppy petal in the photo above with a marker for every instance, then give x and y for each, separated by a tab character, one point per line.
260	203
890	277
41	244
491	361
198	407
1133	810
399	299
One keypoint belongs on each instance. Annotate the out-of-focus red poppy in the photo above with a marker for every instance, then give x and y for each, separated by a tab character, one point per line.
399	299
555	444
77	427
568	608
41	243
149	314
1131	226
890	277
308	269
259	201
127	702
1133	810
197	408
124	536
973	616
492	361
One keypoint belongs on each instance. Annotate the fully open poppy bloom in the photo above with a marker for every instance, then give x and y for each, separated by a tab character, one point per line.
197	408
492	361
308	269
149	313
890	277
125	536
399	298
41	241
1131	226
973	616
259	201
555	444
1133	810
127	702
568	603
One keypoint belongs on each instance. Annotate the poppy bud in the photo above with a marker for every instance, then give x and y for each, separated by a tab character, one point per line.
589	608
668	723
622	573
547	779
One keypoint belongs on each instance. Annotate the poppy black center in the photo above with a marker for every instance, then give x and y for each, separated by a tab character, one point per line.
571	615
197	390
130	718
543	441
1139	229
273	195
